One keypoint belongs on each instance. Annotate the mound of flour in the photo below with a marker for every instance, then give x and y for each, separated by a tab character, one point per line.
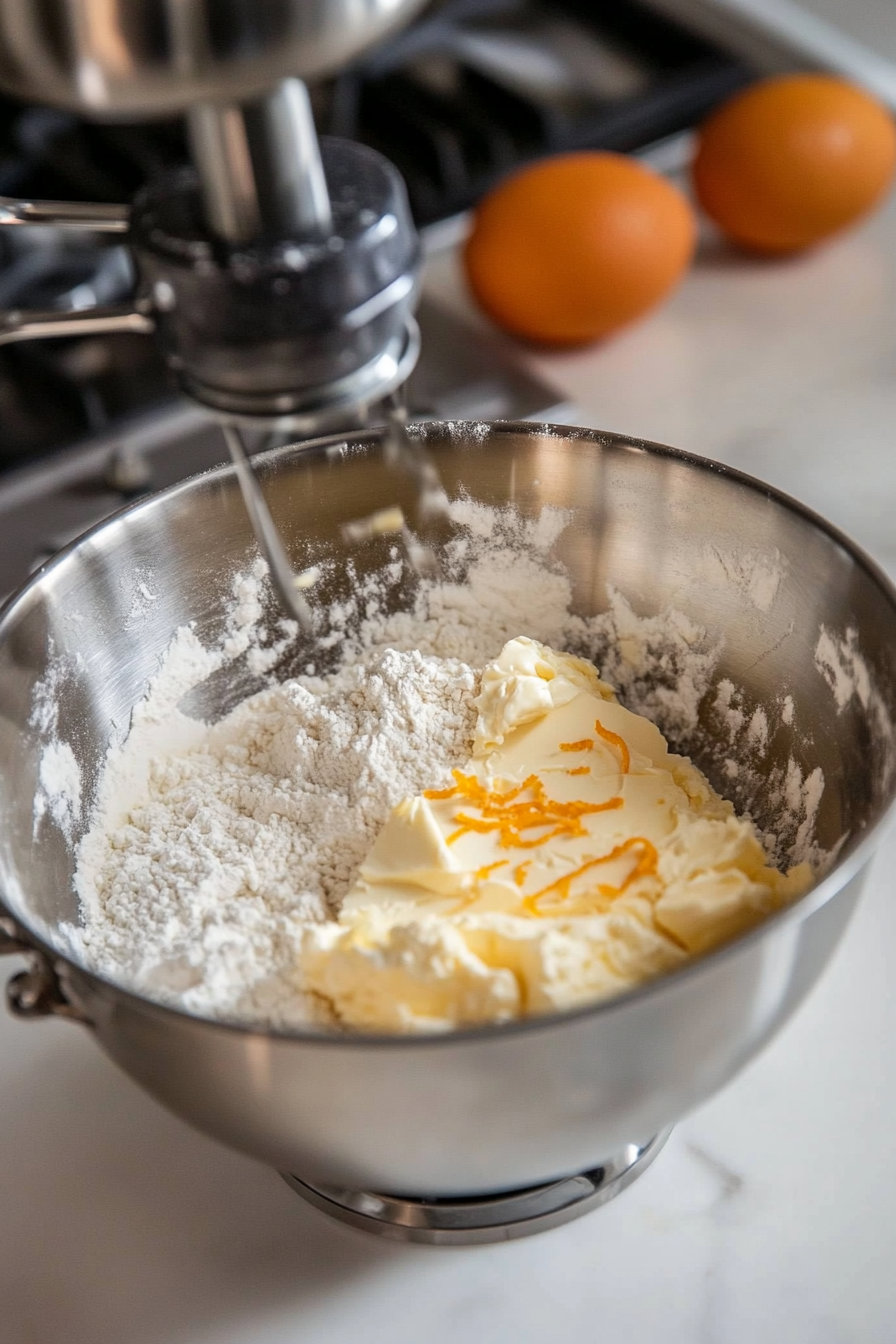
210	846
198	892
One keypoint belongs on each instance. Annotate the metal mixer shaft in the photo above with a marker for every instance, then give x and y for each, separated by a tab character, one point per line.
279	275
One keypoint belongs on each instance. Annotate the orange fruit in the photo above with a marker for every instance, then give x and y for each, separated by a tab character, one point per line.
792	160
571	248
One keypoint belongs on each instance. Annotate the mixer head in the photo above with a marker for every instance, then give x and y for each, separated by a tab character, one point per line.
279	279
278	275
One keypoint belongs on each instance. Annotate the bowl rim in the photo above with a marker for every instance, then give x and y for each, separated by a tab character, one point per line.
468	434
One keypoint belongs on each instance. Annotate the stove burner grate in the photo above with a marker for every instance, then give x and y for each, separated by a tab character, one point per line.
480	87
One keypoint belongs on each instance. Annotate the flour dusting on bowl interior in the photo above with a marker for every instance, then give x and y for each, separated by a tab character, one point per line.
214	847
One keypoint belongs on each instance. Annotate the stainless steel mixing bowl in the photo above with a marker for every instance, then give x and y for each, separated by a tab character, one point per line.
494	1109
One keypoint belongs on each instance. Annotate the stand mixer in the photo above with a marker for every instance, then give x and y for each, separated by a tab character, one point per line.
278	273
279	277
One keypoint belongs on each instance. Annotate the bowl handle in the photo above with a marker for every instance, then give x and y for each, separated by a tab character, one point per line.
39	990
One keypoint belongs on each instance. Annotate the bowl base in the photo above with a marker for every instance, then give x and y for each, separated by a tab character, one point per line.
503	1216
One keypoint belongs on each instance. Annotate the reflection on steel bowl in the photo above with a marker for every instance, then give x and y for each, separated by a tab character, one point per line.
457	1117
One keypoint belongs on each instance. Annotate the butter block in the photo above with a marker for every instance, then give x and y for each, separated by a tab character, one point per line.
573	857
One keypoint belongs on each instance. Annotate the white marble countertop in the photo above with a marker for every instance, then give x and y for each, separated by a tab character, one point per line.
772	1212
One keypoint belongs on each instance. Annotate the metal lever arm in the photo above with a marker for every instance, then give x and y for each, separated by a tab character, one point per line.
25	325
28	325
65	215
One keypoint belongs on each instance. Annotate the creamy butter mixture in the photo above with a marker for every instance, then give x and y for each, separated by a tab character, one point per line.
572	857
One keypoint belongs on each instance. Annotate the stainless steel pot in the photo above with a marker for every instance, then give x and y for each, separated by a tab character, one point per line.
493	1109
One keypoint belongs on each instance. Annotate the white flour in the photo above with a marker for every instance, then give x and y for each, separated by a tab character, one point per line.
847	674
59	783
197	891
59	778
209	845
756	575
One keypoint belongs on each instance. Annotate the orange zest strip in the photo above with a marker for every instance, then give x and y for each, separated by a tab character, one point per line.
468	786
645	866
482	873
579	770
585	744
615	741
502	813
